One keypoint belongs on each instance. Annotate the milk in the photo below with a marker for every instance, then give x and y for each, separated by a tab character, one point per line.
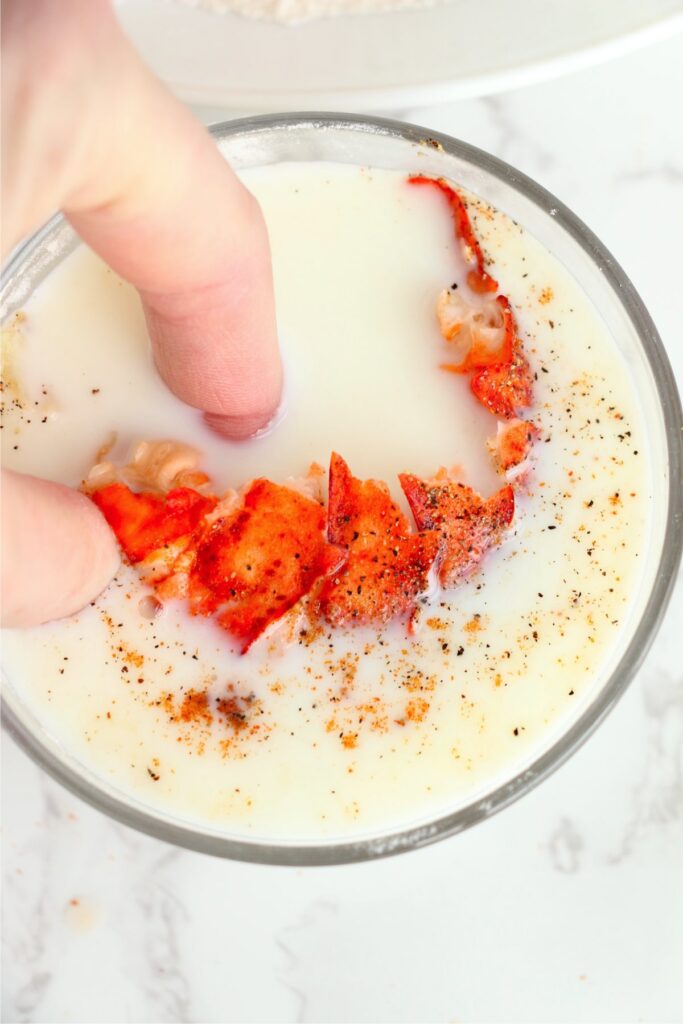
342	734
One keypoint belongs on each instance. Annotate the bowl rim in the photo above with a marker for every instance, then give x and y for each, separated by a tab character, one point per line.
399	840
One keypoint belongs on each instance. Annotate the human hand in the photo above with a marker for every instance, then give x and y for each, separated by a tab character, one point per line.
88	129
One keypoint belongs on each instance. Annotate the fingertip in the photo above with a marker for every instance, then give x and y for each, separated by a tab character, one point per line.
58	553
241	428
103	555
221	357
257	411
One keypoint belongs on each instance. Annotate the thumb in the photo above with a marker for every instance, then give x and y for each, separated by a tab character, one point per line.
57	551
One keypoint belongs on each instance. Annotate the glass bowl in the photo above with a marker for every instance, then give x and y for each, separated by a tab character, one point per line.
390	144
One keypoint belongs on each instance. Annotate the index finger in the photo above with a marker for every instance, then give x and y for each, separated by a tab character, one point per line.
153	196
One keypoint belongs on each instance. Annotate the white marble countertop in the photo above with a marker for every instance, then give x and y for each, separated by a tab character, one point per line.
568	906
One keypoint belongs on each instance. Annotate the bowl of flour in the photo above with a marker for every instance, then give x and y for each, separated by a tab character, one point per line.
231	56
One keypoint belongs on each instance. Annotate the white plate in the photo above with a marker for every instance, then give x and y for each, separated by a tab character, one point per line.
385	61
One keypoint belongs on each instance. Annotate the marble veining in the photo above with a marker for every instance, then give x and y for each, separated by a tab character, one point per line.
285	940
511	137
565	907
657	799
28	939
668	172
565	847
164	915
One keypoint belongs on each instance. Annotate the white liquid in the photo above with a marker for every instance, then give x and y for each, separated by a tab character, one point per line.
353	735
